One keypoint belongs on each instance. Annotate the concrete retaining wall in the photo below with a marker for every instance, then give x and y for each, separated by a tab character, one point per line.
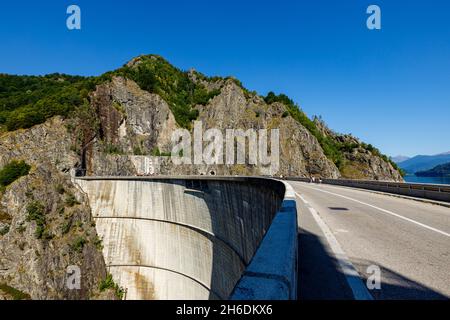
426	191
272	274
195	238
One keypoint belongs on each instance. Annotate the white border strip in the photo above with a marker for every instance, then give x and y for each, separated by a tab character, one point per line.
356	284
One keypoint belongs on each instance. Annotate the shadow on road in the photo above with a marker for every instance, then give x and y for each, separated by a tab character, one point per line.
338	208
319	277
395	286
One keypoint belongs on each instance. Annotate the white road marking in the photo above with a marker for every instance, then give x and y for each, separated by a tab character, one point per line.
385	211
356	284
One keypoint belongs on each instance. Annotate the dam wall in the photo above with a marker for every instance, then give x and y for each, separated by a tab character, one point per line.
196	238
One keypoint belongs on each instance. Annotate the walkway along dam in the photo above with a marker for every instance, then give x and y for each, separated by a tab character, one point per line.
197	237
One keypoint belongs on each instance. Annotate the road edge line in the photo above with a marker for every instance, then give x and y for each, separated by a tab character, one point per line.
359	290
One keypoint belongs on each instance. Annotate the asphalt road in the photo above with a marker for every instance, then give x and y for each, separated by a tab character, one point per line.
346	234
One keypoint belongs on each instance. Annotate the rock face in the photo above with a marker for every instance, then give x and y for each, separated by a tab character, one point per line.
48	220
135	123
131	117
360	160
135	128
132	122
48	143
129	133
300	153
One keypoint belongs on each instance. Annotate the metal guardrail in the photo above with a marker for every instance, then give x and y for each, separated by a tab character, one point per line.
438	192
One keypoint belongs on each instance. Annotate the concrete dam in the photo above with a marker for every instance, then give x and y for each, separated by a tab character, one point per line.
197	237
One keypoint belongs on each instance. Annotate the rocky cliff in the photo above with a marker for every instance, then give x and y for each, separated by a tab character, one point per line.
46	221
361	160
125	125
134	124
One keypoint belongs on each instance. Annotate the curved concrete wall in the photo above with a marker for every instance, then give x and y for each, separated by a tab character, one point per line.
186	237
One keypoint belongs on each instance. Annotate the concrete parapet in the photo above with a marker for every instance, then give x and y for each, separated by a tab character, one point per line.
272	274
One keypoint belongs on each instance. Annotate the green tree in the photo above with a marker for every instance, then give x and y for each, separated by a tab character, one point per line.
13	171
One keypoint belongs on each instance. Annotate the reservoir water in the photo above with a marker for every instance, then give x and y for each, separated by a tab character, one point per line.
434	180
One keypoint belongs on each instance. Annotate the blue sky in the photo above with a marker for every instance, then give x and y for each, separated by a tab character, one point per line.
390	87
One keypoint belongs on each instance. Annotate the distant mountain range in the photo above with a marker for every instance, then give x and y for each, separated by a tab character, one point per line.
442	170
399	159
421	162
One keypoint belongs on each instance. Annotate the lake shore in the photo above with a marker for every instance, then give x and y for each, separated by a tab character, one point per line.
433	180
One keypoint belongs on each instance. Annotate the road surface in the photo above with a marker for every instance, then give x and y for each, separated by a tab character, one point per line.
345	234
